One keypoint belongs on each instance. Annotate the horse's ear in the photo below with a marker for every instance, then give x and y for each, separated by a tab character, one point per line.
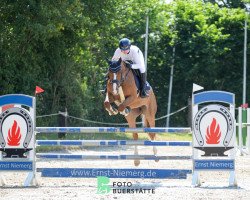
108	61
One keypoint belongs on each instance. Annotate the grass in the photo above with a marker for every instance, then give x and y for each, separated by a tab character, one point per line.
107	136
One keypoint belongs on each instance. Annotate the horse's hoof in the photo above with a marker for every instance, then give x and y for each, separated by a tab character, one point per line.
137	162
115	111
112	111
157	160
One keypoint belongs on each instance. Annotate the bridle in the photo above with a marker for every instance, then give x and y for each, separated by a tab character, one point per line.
123	78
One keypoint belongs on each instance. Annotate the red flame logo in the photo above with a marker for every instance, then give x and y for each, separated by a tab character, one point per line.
213	133
14	135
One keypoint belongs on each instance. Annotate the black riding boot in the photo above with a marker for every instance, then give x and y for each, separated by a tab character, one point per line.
144	92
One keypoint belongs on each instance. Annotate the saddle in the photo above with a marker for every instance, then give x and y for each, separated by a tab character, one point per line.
115	67
137	74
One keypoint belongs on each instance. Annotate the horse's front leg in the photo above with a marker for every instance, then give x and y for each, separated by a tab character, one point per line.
107	104
125	103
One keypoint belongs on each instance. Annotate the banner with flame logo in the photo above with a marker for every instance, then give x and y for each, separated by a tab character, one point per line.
213	134
213	130
16	126
17	138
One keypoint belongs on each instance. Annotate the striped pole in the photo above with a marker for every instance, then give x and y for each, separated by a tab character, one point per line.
110	130
110	143
109	157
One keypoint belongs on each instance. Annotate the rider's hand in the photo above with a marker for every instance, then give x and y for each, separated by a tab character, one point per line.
128	64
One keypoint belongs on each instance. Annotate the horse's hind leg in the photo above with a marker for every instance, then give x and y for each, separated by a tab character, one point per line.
131	119
151	123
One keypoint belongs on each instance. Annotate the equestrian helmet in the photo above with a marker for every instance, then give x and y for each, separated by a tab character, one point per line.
124	44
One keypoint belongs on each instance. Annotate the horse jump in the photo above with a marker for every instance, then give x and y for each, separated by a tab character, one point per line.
118	172
23	117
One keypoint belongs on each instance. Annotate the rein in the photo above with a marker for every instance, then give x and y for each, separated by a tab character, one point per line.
124	78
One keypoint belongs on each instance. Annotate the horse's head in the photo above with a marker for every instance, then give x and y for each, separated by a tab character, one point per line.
116	78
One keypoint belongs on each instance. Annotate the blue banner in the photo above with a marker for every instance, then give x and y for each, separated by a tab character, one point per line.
16	99
114	173
214	96
16	166
206	165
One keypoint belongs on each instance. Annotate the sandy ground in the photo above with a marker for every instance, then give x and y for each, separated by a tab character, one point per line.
214	184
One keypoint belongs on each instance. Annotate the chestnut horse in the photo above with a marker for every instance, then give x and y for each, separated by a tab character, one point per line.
122	90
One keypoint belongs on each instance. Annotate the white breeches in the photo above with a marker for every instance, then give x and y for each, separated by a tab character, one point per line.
140	67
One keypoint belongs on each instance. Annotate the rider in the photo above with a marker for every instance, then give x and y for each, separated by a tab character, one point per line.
128	52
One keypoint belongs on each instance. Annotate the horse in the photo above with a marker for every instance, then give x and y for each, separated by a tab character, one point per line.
122	90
